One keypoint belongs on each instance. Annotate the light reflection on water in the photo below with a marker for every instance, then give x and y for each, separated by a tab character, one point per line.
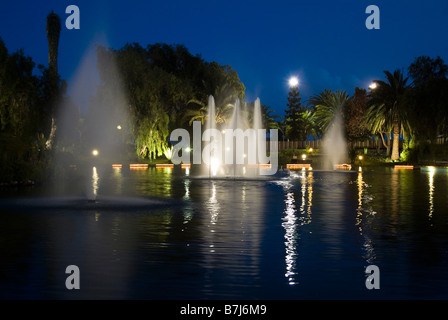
364	214
294	218
307	237
431	193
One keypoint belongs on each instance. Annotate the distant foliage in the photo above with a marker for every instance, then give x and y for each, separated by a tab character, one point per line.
23	116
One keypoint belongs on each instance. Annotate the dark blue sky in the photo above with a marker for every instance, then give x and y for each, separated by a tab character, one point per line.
325	43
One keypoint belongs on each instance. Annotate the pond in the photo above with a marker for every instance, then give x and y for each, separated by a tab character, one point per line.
310	236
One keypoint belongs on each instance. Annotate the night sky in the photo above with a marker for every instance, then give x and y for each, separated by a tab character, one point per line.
325	43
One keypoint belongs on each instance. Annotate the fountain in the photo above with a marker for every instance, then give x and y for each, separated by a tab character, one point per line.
335	146
82	163
237	150
102	104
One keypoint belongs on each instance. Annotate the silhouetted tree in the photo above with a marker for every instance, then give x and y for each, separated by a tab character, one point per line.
424	69
354	113
53	32
293	115
21	116
429	98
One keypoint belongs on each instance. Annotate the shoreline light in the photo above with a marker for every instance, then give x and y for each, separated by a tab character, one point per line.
343	166
298	166
164	165
406	167
138	166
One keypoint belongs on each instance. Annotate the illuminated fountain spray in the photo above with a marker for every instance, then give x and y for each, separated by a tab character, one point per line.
235	150
93	189
335	145
103	105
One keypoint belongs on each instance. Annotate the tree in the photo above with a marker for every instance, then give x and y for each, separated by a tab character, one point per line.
388	107
309	125
21	115
135	94
223	83
428	99
197	80
53	32
152	134
269	120
354	113
165	88
424	69
224	105
376	122
327	106
293	115
18	89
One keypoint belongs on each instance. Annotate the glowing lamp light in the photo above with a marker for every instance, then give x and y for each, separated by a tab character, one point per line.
293	82
187	149
304	156
360	157
373	85
95	152
311	149
119	127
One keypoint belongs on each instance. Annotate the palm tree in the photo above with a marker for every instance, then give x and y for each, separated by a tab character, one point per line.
199	112
224	98
53	32
327	106
269	119
387	109
309	126
376	123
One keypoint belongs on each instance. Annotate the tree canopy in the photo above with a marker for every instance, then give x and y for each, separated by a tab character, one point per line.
23	116
166	87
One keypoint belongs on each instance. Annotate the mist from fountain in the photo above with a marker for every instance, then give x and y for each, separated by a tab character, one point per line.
101	106
334	144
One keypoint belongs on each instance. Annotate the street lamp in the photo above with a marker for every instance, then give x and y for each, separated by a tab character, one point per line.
373	85
95	152
293	82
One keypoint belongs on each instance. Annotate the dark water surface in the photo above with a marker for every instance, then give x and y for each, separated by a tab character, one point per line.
309	237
